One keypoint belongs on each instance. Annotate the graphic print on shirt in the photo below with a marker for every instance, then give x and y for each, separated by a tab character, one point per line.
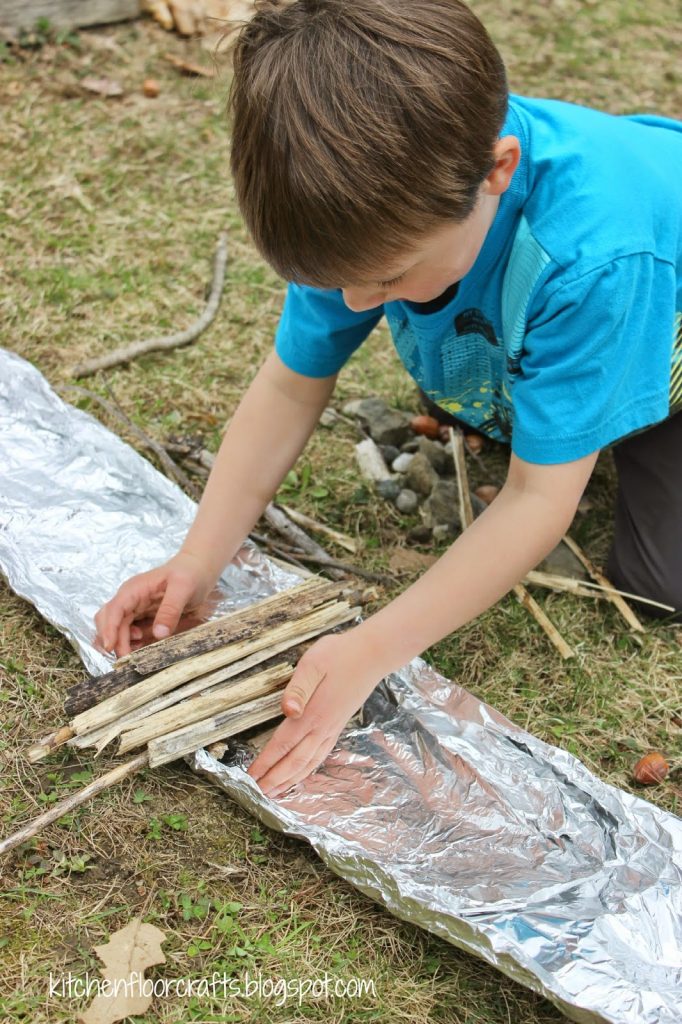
676	367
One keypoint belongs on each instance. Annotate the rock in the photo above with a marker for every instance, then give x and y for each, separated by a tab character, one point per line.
388	489
329	417
407	502
390	453
401	462
477	505
487	493
442	507
437	456
410	446
474	443
385	425
370	460
420	475
563	562
419	534
442	532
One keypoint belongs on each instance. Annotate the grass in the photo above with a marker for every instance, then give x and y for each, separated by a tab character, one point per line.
109	214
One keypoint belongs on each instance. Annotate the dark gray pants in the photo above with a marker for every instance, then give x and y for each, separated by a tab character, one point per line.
646	555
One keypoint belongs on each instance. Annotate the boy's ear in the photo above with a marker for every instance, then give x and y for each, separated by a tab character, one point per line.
507	153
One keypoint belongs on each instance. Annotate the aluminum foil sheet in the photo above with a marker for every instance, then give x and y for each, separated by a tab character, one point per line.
432	802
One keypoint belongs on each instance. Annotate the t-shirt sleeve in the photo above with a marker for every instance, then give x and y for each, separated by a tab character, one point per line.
318	333
596	361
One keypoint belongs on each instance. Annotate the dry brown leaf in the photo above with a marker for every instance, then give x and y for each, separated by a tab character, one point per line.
130	950
102	86
407	560
187	67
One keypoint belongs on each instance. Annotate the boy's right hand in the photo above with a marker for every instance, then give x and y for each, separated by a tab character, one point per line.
158	600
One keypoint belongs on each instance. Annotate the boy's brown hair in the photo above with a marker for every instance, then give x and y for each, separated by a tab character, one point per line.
358	127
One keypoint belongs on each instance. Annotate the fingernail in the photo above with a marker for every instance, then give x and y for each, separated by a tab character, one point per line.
160	632
294	708
135	632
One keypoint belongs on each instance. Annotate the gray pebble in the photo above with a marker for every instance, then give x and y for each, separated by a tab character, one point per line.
388	489
407	502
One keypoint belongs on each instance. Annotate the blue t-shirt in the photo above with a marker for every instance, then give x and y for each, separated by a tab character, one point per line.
566	334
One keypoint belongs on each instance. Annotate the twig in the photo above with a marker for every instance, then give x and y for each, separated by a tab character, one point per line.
303	520
376	577
612	594
466	512
585	588
191	333
467	517
529	602
172	470
280	522
75	800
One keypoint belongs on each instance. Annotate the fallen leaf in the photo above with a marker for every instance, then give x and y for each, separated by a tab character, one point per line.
187	67
102	86
126	956
409	560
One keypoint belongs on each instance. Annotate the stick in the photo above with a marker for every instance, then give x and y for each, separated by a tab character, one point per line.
355	570
220	699
168	678
130	352
74	800
342	539
467	517
466	512
279	608
542	619
585	588
612	594
276	518
185	741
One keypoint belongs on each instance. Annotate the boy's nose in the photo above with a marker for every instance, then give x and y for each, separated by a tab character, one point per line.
359	300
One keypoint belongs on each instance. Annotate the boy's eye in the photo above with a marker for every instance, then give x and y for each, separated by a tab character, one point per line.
388	284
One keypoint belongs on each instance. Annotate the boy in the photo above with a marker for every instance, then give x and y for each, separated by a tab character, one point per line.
528	257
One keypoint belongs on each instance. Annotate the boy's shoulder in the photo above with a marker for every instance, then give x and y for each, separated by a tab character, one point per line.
594	186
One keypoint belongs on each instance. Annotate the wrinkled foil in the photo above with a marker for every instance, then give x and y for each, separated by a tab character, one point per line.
432	802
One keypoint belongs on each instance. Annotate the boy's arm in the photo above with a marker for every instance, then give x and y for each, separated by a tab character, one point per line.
335	676
525	522
265	436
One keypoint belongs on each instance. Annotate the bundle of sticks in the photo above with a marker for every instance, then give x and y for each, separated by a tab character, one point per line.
207	684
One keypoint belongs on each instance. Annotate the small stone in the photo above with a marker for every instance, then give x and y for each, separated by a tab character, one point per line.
419	534
407	502
329	417
390	453
563	562
420	475
442	532
403	460
437	456
474	443
388	489
410	447
385	425
650	769
487	493
442	505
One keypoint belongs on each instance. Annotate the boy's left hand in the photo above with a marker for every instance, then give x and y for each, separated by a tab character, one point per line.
331	682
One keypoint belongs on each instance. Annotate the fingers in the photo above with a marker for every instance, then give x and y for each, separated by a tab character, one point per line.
300	688
178	592
288	735
133	598
315	762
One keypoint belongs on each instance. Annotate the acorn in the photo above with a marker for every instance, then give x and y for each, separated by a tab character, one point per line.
487	492
474	443
426	425
650	769
151	88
